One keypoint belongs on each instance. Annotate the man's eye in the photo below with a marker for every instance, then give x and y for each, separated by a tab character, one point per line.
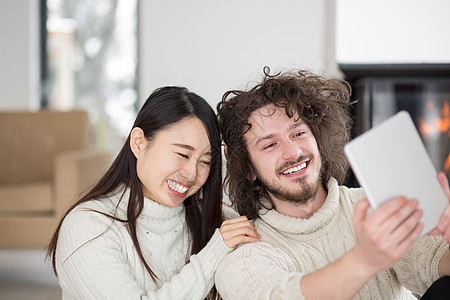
183	155
269	146
299	134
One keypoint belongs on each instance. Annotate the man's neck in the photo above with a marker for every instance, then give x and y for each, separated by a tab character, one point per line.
303	211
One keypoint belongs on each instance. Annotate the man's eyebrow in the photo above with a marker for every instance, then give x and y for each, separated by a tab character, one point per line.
272	135
189	147
265	137
296	124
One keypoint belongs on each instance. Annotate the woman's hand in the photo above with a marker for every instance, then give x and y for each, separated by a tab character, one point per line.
238	230
383	237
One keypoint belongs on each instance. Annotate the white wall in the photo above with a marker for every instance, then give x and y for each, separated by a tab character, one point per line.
211	46
19	55
387	31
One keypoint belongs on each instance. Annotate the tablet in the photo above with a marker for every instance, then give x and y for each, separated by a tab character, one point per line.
390	160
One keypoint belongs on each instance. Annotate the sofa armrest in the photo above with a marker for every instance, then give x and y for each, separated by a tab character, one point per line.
76	172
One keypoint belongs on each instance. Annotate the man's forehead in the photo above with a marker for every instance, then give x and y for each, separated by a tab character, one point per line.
270	121
271	114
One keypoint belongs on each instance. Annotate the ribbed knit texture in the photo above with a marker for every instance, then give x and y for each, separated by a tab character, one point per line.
96	259
292	247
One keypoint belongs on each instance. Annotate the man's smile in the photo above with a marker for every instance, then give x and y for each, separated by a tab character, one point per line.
296	168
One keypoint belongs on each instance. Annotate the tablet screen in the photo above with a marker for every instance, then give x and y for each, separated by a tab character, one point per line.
390	160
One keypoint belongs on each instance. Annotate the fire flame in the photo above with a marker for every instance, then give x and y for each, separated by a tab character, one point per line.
438	125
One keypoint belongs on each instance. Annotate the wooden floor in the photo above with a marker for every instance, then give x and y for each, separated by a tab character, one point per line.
24	274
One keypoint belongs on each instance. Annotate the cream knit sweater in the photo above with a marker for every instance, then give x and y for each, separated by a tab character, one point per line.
96	259
292	247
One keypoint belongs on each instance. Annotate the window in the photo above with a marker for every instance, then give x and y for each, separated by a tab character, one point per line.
91	51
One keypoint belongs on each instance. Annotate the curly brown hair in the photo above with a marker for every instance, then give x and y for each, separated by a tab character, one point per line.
321	103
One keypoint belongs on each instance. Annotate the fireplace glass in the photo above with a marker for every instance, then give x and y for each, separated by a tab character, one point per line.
426	99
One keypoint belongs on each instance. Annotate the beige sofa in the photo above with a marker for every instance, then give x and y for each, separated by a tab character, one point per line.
46	162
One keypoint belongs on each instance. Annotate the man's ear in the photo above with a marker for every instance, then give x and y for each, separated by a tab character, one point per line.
137	141
252	175
225	151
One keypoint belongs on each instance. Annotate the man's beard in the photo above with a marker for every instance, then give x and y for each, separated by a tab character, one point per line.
298	197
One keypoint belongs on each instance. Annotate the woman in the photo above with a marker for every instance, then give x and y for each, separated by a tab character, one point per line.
149	228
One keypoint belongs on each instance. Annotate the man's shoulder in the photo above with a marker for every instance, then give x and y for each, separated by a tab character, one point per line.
351	193
263	253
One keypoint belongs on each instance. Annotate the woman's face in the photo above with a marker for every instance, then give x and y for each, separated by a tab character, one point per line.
175	164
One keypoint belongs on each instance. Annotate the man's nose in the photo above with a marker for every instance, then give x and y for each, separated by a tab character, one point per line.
291	150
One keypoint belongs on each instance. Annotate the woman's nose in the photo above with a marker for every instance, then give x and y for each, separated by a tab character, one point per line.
190	171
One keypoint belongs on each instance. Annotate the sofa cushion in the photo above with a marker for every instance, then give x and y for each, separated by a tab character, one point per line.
27	199
31	141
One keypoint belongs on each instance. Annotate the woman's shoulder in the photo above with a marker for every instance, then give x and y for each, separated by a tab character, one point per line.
89	220
93	214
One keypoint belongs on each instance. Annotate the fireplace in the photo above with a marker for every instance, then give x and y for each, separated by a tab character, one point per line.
422	90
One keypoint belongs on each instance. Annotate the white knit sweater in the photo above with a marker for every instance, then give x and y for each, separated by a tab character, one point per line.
96	259
292	247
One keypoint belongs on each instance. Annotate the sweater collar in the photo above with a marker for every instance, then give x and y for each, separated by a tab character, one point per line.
151	209
302	226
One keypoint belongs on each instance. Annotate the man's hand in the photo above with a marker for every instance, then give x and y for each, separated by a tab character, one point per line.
443	227
381	240
383	237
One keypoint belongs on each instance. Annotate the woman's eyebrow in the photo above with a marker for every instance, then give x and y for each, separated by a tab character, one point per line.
189	147
185	146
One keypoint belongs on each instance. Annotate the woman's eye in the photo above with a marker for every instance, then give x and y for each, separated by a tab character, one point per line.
208	163
183	155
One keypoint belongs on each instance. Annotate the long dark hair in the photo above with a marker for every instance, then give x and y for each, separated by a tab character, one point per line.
321	103
164	107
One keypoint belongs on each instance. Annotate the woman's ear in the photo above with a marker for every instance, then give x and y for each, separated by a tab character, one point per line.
137	141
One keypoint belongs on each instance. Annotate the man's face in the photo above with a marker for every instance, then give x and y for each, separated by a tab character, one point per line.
285	155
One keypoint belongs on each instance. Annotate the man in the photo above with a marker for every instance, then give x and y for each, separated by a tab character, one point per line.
285	166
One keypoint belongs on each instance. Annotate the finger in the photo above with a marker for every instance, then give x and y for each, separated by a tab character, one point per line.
444	220
385	212
360	212
409	211
243	227
236	220
410	239
231	243
232	224
446	236
244	230
394	229
442	178
407	227
435	231
226	226
232	238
